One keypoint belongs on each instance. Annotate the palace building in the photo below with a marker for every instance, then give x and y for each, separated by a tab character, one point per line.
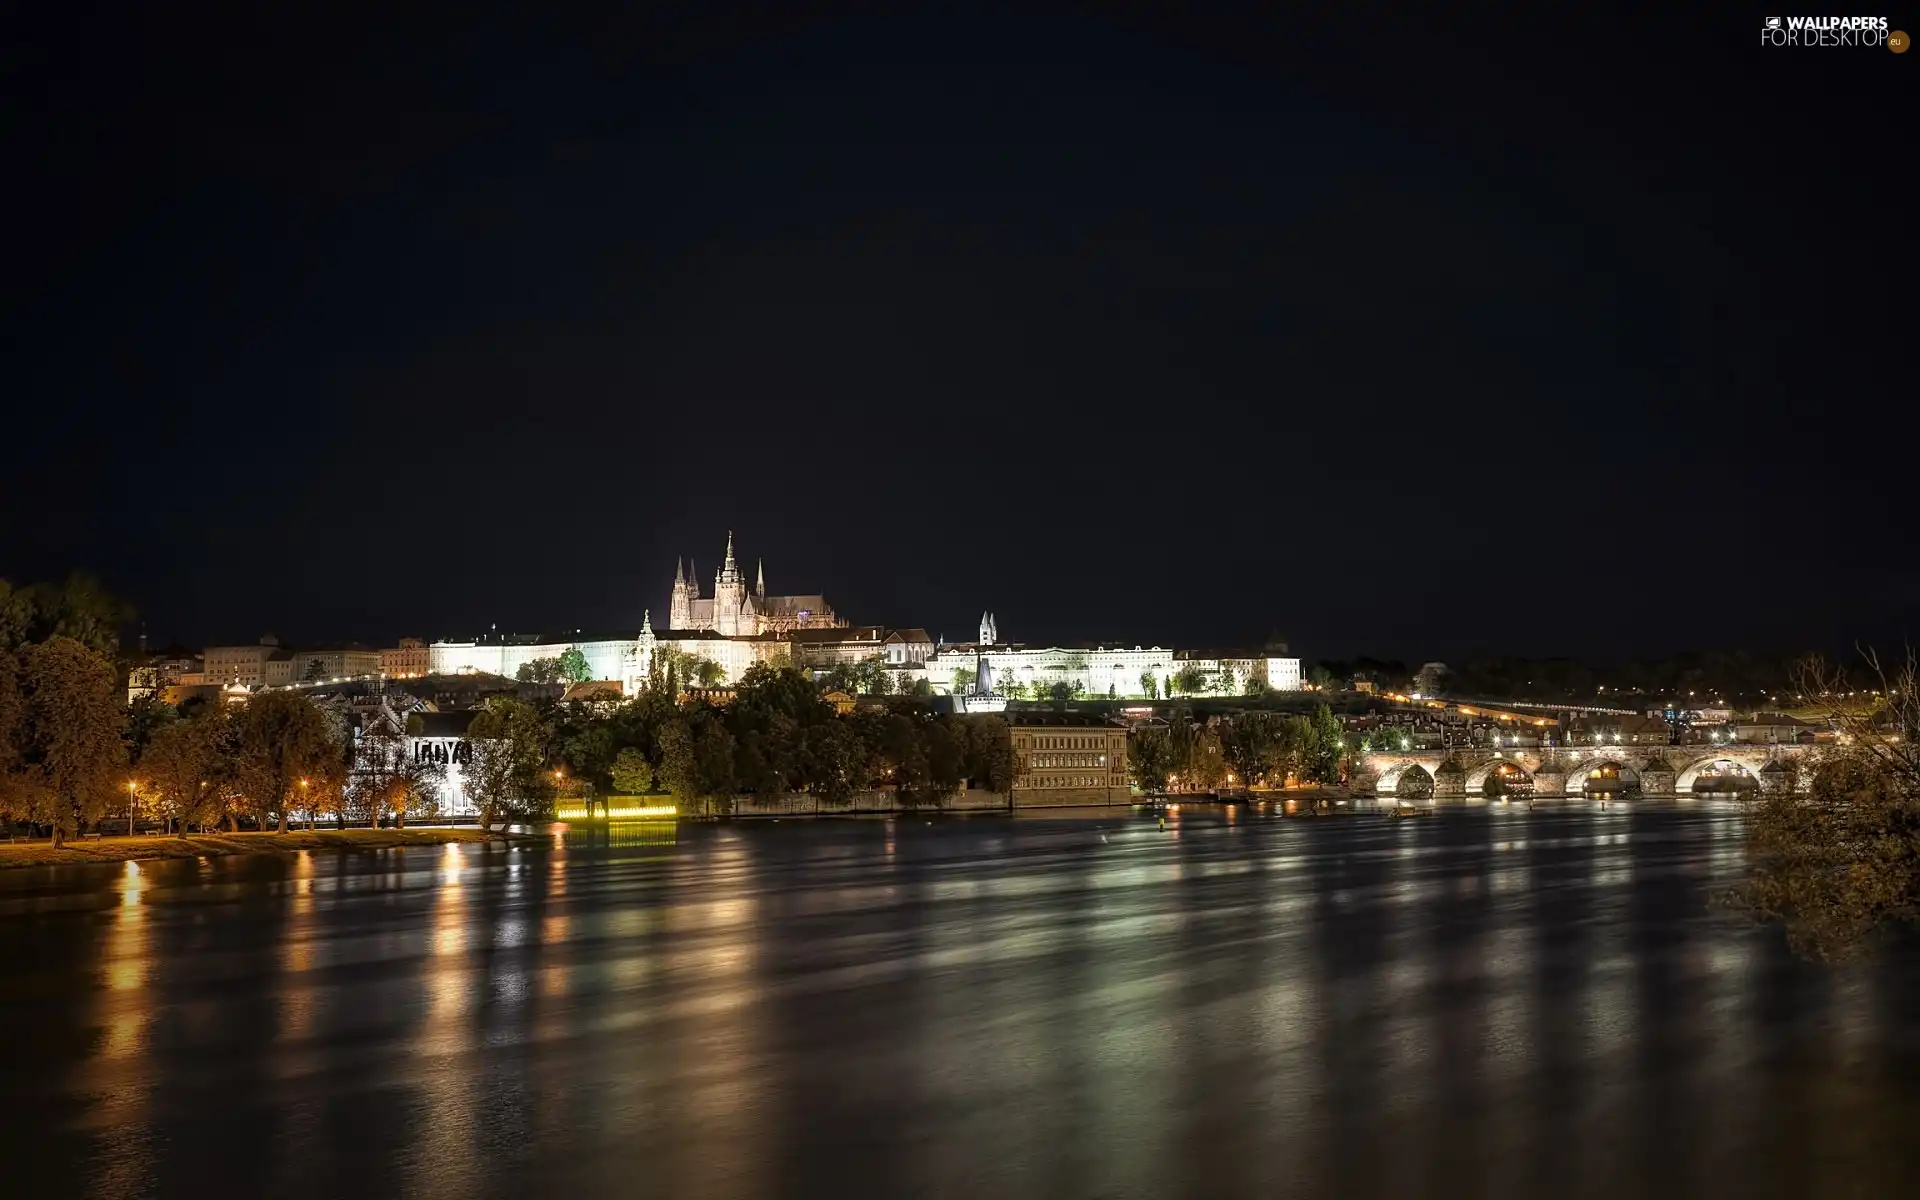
734	611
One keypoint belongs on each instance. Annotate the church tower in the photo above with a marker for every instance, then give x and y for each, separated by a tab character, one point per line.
760	578
680	607
729	596
989	630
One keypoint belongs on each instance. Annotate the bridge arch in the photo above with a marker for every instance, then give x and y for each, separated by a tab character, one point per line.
1716	765
1516	776
1602	775
1407	778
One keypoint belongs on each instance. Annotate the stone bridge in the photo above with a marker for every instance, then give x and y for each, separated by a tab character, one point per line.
1574	770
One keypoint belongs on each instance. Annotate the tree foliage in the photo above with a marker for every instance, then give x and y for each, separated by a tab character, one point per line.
1842	860
508	775
179	767
282	739
80	609
65	750
573	666
540	670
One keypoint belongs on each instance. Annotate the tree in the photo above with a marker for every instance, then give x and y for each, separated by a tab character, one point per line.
80	609
146	716
1147	756
1319	676
834	761
178	767
697	757
572	666
963	680
1188	681
1325	748
67	750
282	739
708	673
1149	685
507	774
539	670
1843	860
316	671
1208	768
1250	743
632	773
990	753
1179	751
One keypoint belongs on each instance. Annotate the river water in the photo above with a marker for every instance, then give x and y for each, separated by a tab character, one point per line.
1484	1003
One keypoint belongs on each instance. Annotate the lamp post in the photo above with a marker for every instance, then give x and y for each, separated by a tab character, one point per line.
305	805
132	789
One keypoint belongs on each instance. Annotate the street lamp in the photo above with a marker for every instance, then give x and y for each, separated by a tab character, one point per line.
132	786
305	805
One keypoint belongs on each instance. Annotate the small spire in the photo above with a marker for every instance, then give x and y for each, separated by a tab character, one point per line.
646	622
678	578
760	577
693	579
728	566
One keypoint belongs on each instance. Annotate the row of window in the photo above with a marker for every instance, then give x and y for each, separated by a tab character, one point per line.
1068	742
1042	761
1068	781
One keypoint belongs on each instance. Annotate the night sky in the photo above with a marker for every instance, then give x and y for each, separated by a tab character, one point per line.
1582	334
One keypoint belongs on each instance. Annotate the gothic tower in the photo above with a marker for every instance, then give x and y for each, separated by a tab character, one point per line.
760	578
729	596
680	608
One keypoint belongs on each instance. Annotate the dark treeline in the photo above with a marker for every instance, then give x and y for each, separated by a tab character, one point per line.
1247	749
1735	676
775	735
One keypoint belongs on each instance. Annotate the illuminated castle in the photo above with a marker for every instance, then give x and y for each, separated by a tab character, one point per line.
735	611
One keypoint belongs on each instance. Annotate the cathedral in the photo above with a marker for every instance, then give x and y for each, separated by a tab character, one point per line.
734	610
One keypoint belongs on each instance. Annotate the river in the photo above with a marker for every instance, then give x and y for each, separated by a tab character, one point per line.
1482	1003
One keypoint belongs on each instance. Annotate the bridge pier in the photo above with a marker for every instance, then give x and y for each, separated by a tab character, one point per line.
1656	778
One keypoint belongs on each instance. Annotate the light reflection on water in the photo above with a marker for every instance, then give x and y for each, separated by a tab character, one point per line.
1490	1002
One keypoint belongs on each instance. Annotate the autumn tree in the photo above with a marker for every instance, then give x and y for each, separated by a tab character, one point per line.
178	769
1842	860
66	746
283	739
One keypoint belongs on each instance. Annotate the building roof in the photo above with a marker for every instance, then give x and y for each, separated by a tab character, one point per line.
789	605
596	689
442	724
1781	719
916	635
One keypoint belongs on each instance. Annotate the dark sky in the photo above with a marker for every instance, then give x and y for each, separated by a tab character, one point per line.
1412	337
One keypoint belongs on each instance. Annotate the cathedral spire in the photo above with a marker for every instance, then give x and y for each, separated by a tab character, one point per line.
760	577
646	622
693	579
679	580
729	563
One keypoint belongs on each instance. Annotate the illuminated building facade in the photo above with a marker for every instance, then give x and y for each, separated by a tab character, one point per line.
734	610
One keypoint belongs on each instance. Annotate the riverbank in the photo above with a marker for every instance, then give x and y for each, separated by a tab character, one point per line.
210	845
